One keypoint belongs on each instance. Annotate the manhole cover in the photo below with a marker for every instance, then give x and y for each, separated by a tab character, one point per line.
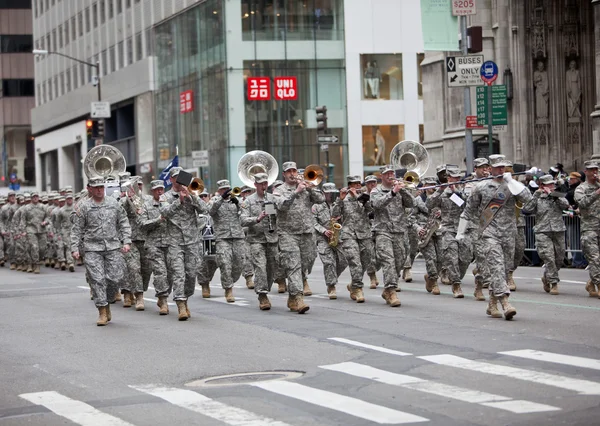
245	378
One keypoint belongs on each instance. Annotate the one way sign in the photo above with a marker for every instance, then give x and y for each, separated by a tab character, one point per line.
464	70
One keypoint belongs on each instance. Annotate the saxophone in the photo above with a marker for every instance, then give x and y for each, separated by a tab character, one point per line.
433	224
336	229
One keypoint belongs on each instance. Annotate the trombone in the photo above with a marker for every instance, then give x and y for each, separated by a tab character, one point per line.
196	186
461	182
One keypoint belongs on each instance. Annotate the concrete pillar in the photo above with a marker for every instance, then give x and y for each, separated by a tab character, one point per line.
595	116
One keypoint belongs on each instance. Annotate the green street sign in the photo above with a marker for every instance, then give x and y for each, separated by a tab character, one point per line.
499	105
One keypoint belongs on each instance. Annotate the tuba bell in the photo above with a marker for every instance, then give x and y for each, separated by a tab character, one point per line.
412	156
254	162
104	161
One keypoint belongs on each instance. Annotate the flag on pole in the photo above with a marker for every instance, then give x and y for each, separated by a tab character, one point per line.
164	175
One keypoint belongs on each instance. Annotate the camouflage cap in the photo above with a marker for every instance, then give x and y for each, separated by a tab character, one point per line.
590	164
35	194
546	180
386	168
175	171
499	160
11	193
68	195
261	178
155	184
96	182
277	183
479	162
370	178
329	187
453	172
246	189
353	179
223	184
288	165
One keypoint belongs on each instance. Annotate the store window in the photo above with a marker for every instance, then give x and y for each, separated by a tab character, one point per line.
16	43
17	87
382	77
378	142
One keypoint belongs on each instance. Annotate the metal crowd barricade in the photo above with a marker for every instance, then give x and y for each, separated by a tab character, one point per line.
572	235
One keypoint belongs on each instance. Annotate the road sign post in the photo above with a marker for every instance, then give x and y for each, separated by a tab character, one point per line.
489	74
100	110
464	71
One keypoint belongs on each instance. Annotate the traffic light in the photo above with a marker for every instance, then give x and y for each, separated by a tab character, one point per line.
100	128
321	118
89	130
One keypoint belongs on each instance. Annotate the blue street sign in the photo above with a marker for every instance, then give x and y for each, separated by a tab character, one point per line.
489	72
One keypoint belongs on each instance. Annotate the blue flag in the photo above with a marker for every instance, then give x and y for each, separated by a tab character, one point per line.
164	175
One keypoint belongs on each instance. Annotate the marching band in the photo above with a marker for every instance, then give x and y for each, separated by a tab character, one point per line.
272	231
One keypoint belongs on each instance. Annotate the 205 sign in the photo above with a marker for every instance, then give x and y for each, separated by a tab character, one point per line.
464	7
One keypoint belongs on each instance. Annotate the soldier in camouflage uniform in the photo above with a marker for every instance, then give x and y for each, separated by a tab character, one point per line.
154	227
370	184
549	230
3	251
54	242
208	262
279	271
6	214
295	227
19	242
389	200
229	237
101	225
248	270
587	196
63	222
355	207
332	257
262	238
519	243
181	211
493	204
33	222
411	242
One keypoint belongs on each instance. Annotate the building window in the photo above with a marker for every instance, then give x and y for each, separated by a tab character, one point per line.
60	37
102	11
67	34
41	6
82	74
103	62
48	46
16	4
87	20
127	4
73	28
112	59
382	77
61	86
111	9
139	47
129	51
54	40
12	88
16	43
378	142
80	23
119	6
120	55
44	93
95	15
420	57
56	91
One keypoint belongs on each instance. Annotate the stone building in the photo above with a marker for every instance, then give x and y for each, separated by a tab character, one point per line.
551	51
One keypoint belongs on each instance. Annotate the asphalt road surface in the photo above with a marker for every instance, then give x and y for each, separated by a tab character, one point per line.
435	360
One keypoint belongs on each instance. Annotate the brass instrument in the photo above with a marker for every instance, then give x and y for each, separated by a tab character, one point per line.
423	188
434	221
518	208
134	194
336	229
257	162
313	174
196	186
104	161
413	157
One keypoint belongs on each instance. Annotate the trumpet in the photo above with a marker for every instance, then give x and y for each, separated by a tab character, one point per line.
236	191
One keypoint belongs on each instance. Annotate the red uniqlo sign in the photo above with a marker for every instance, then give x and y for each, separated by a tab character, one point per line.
472	122
186	101
286	88
259	89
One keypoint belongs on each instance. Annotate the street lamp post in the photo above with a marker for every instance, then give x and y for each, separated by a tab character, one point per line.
43	52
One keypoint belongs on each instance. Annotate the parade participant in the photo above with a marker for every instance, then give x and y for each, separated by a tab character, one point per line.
262	238
587	196
33	220
354	207
295	228
549	230
6	214
63	234
370	184
519	242
329	243
154	227
492	204
101	226
181	212
389	225
248	270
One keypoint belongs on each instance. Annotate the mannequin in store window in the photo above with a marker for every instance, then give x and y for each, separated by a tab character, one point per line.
380	145
372	78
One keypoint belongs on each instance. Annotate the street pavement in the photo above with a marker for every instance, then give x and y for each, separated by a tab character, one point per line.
435	360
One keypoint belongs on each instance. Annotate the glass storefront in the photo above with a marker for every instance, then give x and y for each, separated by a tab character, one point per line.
378	142
382	77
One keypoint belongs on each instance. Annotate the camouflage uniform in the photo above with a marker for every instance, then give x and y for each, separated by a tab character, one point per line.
132	281
264	253
103	229
295	226
332	258
19	241
63	222
6	215
390	226
549	232
432	252
358	239
589	210
183	227
33	221
154	227
208	264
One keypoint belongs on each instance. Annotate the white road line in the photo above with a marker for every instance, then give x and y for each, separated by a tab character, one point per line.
21	289
239	301
584	387
447	391
75	411
201	404
366	346
345	404
562	281
575	361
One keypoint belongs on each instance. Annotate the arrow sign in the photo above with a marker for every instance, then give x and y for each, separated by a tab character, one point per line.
327	139
453	78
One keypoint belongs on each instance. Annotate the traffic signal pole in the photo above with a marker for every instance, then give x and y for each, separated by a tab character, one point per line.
467	99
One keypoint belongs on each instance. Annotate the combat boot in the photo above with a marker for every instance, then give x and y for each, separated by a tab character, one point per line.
71	267
591	289
492	309
545	283
444	277
108	314
29	268
301	307
281	286
435	289
374	280
554	289
127	299
478	294
428	283
229	295
263	302
407	275
19	268
331	292
118	297
13	266
63	266
2	263
162	305
205	291
306	289
291	303
102	317
36	270
457	291
182	310
187	309
250	282
47	262
511	282
352	295
139	301
509	311
389	295
56	265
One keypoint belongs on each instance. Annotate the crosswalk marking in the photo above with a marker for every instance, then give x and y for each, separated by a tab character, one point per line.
575	361
366	346
75	411
447	391
345	404
199	403
584	387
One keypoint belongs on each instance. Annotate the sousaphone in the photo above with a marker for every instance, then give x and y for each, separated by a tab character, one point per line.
411	156
104	161
254	162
